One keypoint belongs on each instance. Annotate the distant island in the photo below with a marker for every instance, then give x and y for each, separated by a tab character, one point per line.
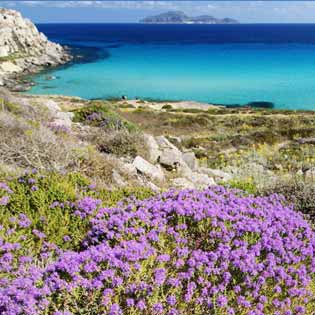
179	17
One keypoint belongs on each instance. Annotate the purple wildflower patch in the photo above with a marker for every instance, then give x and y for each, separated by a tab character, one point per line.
182	252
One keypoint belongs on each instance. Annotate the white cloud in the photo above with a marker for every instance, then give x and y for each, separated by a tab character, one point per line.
165	5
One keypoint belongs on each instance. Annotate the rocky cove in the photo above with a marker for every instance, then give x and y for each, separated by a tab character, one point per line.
24	50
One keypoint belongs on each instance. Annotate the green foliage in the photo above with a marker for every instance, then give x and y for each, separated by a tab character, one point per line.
121	143
102	114
246	185
34	195
167	107
47	200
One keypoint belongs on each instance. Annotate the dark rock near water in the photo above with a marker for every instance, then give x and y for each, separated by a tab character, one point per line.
261	104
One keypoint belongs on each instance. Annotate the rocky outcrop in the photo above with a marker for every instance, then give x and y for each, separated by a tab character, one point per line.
183	166
146	168
23	49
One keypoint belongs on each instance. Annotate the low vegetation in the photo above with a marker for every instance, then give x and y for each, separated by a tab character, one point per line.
73	241
189	252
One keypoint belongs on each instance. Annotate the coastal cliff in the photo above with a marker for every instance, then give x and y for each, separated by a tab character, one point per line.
24	50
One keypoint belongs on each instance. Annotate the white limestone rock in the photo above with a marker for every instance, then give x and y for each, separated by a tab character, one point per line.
190	159
148	169
153	148
23	48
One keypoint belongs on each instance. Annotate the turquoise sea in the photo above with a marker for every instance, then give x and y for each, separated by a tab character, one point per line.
221	64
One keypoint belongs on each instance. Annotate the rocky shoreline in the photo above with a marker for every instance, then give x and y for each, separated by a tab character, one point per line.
25	51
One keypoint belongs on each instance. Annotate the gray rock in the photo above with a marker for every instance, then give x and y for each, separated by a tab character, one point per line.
148	169
63	119
118	180
182	183
52	106
153	148
171	159
190	159
165	144
128	169
184	170
201	181
217	174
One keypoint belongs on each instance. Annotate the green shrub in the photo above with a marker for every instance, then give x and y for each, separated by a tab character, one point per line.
246	185
121	143
102	114
167	107
193	110
34	195
47	200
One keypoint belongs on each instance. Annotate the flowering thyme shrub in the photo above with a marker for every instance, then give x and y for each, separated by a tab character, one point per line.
101	114
182	252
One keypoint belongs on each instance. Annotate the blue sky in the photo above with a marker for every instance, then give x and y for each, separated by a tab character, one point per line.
132	11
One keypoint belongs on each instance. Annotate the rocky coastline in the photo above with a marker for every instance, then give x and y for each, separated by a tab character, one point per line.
25	51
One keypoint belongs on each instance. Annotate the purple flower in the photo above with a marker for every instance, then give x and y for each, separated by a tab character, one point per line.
4	200
157	308
171	300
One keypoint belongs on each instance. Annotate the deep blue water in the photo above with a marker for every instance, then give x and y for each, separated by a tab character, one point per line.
223	64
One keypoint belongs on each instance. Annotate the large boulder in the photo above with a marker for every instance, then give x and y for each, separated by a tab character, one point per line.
148	169
165	144
201	181
170	157
190	159
152	147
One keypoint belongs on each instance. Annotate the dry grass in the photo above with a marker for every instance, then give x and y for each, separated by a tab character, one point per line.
26	144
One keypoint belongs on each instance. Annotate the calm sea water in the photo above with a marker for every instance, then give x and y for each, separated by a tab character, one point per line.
223	64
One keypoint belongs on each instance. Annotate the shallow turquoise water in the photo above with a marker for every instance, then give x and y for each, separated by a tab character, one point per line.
221	73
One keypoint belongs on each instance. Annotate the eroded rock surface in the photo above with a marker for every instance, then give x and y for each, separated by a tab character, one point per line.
23	49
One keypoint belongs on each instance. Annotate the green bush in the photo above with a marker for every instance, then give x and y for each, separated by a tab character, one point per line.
48	199
121	143
102	114
167	107
246	185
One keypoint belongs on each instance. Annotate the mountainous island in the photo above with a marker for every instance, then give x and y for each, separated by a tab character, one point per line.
179	17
